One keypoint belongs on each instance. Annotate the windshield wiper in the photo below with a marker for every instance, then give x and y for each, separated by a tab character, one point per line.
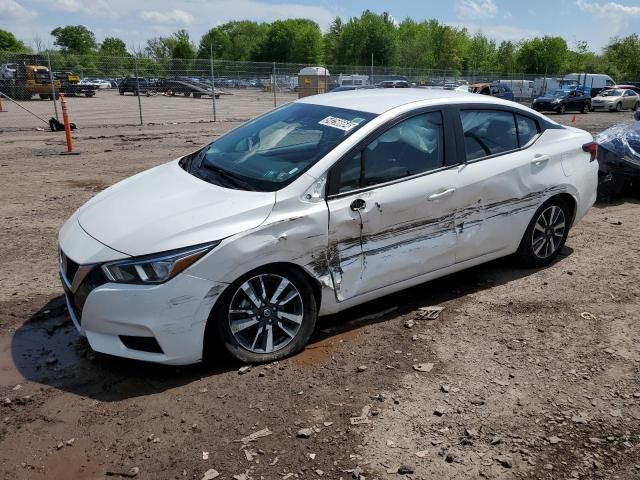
230	177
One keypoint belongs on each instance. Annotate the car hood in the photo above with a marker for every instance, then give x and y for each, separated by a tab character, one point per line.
607	98
165	208
549	99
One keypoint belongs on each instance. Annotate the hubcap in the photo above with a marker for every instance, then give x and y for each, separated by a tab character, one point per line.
265	313
548	232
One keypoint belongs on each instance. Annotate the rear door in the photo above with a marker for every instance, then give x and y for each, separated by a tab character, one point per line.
502	182
391	207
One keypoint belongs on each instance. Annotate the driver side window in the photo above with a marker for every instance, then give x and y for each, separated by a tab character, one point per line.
413	146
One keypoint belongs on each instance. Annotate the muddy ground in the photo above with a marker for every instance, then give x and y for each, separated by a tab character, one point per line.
535	374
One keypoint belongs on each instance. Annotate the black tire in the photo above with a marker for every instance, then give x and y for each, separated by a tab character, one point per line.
136	93
44	97
186	94
619	107
197	95
527	249
636	107
121	92
562	109
585	108
219	333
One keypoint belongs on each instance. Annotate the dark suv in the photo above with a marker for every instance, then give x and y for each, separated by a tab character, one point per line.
132	84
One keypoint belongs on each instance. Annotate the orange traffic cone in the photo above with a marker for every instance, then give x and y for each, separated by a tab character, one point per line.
573	120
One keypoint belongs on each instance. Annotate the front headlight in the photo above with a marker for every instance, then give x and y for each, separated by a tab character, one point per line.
153	269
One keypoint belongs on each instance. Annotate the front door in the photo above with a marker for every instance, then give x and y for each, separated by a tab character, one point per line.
392	208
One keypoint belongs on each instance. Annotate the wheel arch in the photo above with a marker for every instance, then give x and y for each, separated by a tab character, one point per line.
571	202
316	288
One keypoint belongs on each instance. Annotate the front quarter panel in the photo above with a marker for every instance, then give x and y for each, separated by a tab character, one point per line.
296	232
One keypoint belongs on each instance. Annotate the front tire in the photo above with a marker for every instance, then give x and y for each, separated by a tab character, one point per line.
619	107
585	108
264	316
562	109
546	234
636	107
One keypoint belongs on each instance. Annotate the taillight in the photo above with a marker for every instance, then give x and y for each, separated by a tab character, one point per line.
592	148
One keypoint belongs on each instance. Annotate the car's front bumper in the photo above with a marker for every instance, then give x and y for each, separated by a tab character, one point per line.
546	107
162	323
603	106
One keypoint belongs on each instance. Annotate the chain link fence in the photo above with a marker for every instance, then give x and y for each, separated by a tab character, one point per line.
138	90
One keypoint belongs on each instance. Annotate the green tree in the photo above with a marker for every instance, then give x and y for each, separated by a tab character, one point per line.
236	40
9	42
543	55
481	54
507	57
113	47
623	56
291	40
332	42
371	35
76	39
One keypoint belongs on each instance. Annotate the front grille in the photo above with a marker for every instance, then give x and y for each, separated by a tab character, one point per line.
69	267
77	293
93	280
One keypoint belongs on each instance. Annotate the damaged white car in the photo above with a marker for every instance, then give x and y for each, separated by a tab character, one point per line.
312	208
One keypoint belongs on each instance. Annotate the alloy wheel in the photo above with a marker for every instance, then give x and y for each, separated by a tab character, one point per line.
265	313
548	232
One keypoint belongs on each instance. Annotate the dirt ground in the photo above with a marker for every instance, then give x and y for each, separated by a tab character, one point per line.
529	373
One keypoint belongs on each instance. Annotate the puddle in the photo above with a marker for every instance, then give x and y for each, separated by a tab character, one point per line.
38	349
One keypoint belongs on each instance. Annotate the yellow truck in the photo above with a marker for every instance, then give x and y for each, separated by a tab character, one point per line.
28	80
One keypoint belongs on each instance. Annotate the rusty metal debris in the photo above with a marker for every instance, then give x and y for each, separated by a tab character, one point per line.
428	313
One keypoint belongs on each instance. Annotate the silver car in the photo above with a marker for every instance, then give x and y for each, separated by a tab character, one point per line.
616	99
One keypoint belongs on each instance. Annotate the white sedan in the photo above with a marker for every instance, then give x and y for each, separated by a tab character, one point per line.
312	208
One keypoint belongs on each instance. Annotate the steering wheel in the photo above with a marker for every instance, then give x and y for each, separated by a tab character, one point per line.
480	142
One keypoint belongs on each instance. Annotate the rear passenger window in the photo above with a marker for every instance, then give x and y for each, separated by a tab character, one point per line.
488	132
527	129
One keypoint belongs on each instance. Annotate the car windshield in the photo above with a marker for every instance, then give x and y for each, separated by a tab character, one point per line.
271	151
612	93
558	93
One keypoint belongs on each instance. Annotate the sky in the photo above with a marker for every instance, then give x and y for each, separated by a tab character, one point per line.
135	21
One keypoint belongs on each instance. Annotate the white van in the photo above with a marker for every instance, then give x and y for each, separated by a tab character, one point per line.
590	83
353	80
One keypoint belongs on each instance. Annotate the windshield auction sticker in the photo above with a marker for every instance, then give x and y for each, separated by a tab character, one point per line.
339	123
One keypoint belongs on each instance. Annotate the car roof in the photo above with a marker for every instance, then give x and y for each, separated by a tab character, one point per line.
378	101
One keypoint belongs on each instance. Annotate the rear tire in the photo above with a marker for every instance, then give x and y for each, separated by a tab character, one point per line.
636	107
562	109
186	94
546	234
276	323
121	92
585	108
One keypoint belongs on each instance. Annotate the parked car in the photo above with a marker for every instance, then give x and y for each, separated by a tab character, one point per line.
394	84
243	243
619	159
352	87
616	99
8	71
561	101
95	82
631	86
133	85
492	89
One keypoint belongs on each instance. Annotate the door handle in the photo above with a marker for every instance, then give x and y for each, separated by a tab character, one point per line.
539	159
357	205
446	193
